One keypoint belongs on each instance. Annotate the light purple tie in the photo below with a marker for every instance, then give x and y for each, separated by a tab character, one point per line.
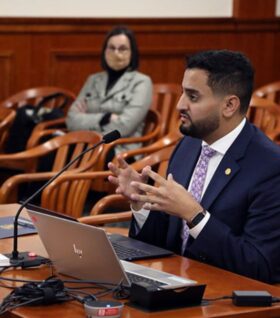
196	186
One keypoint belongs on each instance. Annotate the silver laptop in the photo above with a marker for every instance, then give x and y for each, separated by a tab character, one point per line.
85	252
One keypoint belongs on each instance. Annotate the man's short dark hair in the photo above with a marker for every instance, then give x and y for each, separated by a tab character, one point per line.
134	62
229	72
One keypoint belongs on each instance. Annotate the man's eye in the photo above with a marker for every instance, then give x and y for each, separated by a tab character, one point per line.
193	97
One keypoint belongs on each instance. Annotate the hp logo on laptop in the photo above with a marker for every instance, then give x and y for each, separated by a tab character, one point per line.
77	251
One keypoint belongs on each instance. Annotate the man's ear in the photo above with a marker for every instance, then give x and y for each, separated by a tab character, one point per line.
231	106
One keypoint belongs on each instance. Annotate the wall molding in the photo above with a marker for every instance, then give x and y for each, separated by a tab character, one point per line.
145	25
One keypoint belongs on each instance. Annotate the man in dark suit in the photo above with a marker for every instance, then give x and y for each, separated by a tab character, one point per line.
223	210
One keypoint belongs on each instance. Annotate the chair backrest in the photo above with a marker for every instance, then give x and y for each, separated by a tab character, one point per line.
65	148
7	117
151	131
58	151
270	91
76	191
167	140
165	99
71	145
264	113
34	95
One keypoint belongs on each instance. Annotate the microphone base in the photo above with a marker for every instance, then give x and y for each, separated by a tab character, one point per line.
26	259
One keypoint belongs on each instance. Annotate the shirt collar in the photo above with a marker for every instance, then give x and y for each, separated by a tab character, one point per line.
222	145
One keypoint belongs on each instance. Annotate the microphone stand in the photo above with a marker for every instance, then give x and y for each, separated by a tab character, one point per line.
17	258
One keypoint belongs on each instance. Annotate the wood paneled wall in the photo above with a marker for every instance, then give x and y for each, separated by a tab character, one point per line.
63	52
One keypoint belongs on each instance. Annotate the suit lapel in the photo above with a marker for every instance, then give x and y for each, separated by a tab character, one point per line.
182	168
224	173
228	167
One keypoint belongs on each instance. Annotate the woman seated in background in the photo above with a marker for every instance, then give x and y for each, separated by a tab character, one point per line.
117	98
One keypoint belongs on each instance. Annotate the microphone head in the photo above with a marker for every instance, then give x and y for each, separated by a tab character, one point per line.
111	136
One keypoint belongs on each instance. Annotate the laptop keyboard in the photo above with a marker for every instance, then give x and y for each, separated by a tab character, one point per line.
134	278
125	253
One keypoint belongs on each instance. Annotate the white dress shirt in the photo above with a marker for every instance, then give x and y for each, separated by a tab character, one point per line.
221	146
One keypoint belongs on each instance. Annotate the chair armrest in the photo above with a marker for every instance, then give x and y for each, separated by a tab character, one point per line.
11	185
106	218
109	200
7	121
44	129
71	176
36	136
13	182
170	139
150	137
24	160
274	135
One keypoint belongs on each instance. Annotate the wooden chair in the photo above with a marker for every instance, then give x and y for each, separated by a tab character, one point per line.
270	91
265	114
169	139
64	148
33	96
71	199
6	119
165	99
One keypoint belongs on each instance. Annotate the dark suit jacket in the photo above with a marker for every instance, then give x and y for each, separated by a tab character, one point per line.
243	232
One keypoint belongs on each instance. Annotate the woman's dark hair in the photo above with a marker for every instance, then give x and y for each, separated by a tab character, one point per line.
134	61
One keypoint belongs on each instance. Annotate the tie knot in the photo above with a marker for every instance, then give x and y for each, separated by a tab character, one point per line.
207	151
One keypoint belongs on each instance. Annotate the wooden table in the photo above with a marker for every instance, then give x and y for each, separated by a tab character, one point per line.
219	283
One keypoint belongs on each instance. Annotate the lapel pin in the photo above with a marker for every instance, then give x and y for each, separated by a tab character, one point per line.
228	171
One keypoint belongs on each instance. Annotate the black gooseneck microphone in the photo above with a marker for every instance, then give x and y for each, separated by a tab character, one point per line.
17	258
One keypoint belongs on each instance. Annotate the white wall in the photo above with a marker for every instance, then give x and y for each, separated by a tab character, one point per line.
278	8
116	8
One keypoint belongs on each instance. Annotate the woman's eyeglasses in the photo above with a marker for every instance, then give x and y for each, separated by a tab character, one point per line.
121	49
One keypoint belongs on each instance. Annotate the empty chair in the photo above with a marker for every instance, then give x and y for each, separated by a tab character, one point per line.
65	148
265	114
270	91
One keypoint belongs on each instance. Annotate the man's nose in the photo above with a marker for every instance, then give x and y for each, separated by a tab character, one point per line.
182	103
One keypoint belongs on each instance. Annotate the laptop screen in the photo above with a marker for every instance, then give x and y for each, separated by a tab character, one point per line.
36	208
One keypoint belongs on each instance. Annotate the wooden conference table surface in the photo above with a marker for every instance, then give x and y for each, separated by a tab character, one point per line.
219	283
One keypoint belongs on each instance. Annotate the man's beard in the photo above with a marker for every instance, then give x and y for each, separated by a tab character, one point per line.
201	128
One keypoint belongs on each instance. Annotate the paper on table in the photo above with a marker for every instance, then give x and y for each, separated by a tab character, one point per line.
7	227
4	261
